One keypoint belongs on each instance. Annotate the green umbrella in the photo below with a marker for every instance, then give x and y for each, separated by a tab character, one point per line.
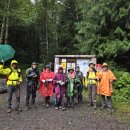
6	52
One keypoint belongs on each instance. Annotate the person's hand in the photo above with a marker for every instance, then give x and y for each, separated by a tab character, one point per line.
19	83
97	79
111	81
58	82
50	80
43	81
34	76
62	83
47	80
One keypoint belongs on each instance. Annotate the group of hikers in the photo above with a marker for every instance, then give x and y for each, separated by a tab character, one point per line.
67	87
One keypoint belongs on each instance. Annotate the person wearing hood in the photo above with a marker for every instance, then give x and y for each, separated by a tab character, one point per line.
14	79
92	85
32	75
46	84
79	74
106	78
72	86
60	90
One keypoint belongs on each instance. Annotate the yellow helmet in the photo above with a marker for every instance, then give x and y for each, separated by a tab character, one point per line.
14	62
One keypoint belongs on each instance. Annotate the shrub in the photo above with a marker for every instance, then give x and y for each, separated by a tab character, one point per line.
122	87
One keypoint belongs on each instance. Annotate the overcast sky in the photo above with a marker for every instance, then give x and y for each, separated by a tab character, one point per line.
33	1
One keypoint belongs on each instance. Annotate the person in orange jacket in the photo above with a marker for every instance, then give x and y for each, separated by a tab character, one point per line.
106	78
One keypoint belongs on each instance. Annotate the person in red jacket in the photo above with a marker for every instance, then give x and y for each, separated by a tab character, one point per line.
46	84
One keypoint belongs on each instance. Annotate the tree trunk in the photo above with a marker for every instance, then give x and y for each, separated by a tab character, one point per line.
55	23
3	24
46	27
56	34
7	23
2	31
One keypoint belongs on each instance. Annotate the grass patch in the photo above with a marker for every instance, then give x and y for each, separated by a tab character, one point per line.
122	109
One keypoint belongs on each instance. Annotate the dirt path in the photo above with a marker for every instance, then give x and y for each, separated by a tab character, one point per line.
81	118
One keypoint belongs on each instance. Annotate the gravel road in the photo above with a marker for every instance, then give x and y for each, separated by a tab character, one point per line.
41	118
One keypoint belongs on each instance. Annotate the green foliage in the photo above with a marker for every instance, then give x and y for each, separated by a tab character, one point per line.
123	81
67	28
40	67
122	95
104	30
122	87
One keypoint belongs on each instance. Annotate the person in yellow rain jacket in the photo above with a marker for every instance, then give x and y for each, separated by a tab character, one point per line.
106	78
92	85
14	79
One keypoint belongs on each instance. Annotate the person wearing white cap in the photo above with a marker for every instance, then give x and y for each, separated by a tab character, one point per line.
92	85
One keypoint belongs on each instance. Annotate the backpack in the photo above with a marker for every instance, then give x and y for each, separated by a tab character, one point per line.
19	73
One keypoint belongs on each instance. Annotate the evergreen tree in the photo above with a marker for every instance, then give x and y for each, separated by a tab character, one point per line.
67	28
104	30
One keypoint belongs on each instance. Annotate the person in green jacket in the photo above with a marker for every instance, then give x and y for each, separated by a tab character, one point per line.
72	87
14	79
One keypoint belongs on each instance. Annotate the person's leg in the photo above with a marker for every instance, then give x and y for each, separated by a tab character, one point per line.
68	101
47	101
60	103
17	93
28	93
94	94
57	97
90	95
61	97
72	101
64	102
80	87
9	100
34	97
56	103
109	103
102	101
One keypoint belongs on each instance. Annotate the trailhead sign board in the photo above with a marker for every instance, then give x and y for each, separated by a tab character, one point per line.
71	61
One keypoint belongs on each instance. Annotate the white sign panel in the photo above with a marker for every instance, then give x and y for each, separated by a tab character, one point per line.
83	64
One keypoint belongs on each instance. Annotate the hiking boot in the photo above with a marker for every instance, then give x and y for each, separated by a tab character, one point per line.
72	105
34	106
27	108
89	105
56	108
47	105
102	107
17	112
9	110
111	110
63	109
68	105
60	107
20	109
95	106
